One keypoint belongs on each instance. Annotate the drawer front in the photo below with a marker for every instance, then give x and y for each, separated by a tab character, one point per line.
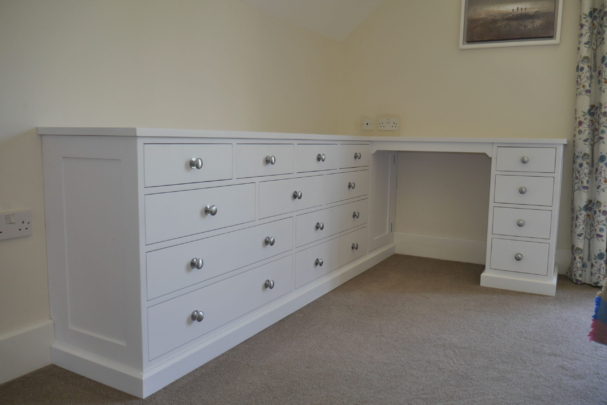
276	197
334	254
182	213
343	186
333	220
539	190
170	324
171	269
264	160
522	222
542	160
533	259
354	156
170	164
308	157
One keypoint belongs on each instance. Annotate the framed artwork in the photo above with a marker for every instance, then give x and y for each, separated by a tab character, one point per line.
500	23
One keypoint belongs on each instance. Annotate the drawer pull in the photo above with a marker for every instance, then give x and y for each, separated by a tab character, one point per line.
197	316
356	214
355	246
271	160
196	163
525	159
319	262
297	195
270	241
320	225
351	185
210	209
321	157
196	263
269	284
518	257
357	156
520	222
522	190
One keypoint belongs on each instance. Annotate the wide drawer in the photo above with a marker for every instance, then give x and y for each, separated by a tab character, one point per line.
524	190
318	157
354	156
515	159
173	268
278	197
324	223
533	256
264	160
182	213
171	164
333	254
522	222
170	324
344	186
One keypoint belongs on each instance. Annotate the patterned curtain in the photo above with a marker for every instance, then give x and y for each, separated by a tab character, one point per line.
589	210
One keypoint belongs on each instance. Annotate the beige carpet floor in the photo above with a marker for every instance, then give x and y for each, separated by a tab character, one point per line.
408	331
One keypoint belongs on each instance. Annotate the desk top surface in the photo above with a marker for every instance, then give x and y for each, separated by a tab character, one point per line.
193	133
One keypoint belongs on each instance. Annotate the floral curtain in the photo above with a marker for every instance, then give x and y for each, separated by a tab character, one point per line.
589	210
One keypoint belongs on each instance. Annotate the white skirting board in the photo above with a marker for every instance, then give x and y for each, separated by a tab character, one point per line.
25	350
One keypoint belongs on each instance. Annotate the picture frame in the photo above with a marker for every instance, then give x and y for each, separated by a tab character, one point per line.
523	19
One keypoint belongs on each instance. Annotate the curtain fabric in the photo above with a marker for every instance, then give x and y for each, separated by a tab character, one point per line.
589	209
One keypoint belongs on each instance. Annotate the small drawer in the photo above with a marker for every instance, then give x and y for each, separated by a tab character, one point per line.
515	159
343	186
319	260
519	256
526	190
324	223
177	267
183	213
522	222
311	158
264	160
176	164
170	323
354	156
278	197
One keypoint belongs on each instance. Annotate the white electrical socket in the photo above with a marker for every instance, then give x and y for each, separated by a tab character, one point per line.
388	124
15	224
367	124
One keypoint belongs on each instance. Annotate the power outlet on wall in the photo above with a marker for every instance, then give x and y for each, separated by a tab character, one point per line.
388	124
15	224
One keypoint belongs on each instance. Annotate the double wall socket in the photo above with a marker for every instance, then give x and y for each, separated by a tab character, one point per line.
388	124
15	224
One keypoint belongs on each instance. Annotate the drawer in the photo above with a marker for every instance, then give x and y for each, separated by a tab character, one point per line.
343	186
170	269
170	324
182	213
276	197
333	220
170	164
533	260
312	158
539	190
264	160
334	254
354	156
512	159
522	222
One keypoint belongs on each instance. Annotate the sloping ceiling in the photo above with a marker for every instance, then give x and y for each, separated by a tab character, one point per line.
333	18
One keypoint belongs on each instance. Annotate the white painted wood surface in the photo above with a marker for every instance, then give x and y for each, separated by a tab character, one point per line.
345	186
311	158
539	190
539	160
534	256
536	223
251	160
276	197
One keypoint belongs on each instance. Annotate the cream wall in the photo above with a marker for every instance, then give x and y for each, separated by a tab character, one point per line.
204	64
404	60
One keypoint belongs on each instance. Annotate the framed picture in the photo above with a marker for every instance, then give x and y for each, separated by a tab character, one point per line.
499	23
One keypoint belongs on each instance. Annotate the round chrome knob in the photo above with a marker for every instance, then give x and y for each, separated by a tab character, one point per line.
522	190
525	159
270	241
197	316
520	222
210	209
351	185
269	284
196	263
355	246
319	262
356	214
357	156
320	225
297	195
518	257
321	157
196	163
271	160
